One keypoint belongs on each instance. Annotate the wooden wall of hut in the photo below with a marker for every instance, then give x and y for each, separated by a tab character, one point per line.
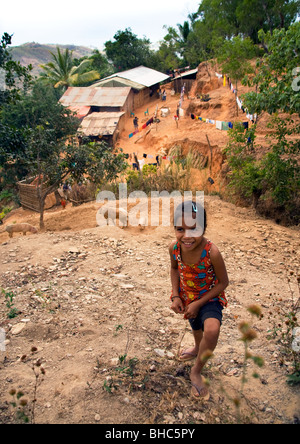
179	82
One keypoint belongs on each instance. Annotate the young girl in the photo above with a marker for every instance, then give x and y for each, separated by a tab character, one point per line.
199	278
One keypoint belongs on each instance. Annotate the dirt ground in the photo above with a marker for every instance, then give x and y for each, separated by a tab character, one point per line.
94	302
94	310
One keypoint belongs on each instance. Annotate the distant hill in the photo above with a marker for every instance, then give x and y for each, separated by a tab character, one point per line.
37	54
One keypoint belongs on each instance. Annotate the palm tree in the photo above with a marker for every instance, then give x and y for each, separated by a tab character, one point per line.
184	31
62	72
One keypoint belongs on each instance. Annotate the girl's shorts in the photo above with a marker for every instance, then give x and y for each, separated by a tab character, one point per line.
210	310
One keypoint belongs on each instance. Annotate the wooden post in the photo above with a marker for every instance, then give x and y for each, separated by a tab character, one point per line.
237	108
211	155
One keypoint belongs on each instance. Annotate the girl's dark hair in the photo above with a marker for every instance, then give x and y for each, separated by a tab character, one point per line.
194	209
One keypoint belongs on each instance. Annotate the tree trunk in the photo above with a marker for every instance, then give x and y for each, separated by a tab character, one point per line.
42	197
237	108
41	205
42	225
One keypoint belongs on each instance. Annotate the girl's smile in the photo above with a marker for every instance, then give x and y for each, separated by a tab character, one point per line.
187	244
190	237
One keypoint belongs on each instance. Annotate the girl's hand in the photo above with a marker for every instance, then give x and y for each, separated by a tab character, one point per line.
192	310
177	306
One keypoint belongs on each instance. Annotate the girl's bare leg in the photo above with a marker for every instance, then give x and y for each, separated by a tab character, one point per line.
208	341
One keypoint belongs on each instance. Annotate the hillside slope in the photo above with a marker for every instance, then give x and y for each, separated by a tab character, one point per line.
37	54
201	136
94	303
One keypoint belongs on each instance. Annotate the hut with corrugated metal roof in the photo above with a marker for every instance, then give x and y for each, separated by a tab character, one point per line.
106	126
87	100
101	110
144	82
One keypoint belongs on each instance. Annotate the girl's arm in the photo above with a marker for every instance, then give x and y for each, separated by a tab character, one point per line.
222	277
177	304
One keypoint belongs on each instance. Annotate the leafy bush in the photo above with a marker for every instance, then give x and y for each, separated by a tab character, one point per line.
272	183
245	177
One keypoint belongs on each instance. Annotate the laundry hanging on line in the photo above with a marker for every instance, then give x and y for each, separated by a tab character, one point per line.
141	128
149	156
221	125
203	119
251	117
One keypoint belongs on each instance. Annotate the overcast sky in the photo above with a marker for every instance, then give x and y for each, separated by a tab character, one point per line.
90	23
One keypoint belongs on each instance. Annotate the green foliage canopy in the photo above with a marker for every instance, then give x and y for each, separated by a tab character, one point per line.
216	22
127	51
276	177
35	132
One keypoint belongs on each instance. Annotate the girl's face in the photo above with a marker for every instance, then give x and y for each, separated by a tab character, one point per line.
188	234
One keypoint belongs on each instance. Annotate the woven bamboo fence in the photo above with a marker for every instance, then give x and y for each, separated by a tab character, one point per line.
29	198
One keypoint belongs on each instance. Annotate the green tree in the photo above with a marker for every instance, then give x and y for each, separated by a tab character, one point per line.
53	161
277	91
217	21
199	45
267	15
61	72
100	64
235	55
40	106
219	18
34	138
127	51
276	88
246	176
247	17
37	107
167	54
12	151
15	78
177	41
